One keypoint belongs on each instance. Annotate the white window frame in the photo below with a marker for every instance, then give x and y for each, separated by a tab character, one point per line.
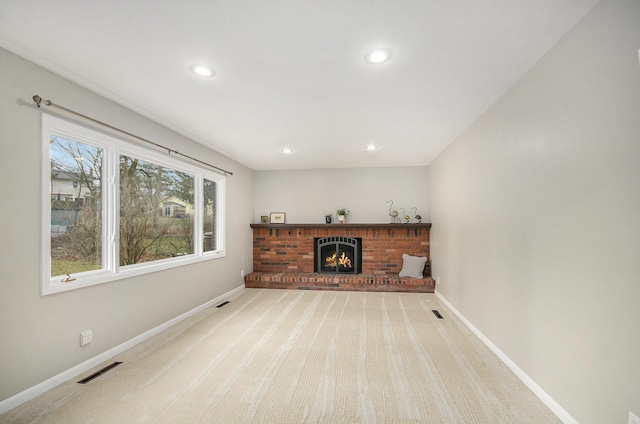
114	147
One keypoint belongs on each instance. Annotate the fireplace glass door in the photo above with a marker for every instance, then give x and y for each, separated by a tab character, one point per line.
339	255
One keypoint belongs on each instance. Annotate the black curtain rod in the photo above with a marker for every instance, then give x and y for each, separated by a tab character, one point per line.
39	100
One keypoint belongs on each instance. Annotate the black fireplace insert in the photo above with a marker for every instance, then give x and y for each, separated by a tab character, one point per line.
338	255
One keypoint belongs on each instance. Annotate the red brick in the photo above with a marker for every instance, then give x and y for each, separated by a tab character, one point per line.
280	250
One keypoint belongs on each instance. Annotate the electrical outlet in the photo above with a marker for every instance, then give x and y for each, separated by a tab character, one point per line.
633	418
437	281
86	337
242	273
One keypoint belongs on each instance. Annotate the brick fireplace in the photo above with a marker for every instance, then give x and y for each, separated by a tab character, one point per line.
283	256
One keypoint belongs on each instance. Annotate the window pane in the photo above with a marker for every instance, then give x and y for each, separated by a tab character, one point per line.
156	212
76	206
209	216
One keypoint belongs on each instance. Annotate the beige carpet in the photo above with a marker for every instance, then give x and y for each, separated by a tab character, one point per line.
279	356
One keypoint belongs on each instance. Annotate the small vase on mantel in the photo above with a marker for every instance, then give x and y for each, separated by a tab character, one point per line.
342	215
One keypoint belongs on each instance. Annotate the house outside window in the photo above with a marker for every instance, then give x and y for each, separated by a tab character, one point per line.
114	209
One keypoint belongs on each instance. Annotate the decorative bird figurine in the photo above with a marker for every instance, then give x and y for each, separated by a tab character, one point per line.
406	217
393	214
417	217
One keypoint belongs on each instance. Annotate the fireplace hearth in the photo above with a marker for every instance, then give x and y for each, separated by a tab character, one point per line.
338	255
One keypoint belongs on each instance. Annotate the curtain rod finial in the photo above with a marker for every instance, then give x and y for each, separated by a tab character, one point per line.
39	100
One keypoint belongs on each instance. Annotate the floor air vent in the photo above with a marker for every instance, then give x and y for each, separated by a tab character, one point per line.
222	304
99	373
437	314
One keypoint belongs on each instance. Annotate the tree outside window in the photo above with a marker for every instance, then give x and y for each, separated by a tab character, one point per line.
108	212
76	206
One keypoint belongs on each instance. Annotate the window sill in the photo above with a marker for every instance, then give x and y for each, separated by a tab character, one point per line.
92	278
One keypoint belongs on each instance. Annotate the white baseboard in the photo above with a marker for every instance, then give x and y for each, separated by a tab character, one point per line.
555	407
38	389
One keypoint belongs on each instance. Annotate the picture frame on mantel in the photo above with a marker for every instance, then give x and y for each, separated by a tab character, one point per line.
264	219
277	218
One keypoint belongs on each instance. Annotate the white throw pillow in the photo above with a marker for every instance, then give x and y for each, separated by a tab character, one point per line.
412	266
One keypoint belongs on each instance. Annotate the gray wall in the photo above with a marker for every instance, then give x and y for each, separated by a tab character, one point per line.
536	219
39	336
307	195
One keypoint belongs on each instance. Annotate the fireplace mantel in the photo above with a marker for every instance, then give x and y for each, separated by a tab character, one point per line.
345	225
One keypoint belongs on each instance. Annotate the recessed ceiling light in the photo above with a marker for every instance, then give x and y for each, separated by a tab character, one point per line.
378	56
287	151
202	70
371	147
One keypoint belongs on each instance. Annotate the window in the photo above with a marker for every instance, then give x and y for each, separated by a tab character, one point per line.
209	215
145	234
114	209
76	225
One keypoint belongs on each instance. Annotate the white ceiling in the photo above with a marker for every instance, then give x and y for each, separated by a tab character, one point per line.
292	73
